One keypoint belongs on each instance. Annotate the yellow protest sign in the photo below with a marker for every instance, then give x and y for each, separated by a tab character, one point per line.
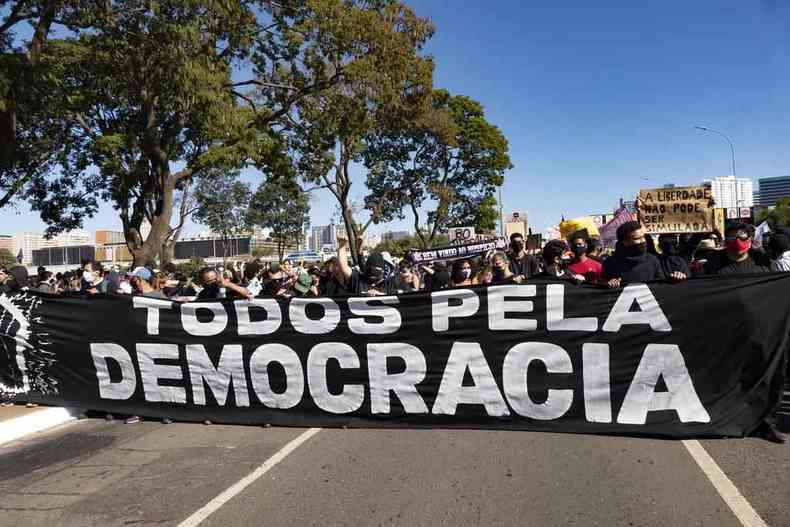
676	209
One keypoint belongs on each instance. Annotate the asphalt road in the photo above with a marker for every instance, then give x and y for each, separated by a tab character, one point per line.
111	474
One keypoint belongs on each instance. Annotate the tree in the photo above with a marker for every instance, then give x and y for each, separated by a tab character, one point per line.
222	202
385	85
284	209
7	258
148	99
402	246
28	140
451	157
779	215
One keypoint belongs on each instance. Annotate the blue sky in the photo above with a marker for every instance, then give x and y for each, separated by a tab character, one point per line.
598	99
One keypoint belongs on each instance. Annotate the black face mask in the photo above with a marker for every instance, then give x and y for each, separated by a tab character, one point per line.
374	275
635	250
212	288
498	274
668	248
578	250
517	246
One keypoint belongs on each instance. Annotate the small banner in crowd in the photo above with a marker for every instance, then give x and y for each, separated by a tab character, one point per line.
609	231
701	358
676	209
454	252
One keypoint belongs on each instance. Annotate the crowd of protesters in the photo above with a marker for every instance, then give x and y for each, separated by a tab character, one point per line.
637	257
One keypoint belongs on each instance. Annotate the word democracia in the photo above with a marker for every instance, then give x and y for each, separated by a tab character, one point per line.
338	377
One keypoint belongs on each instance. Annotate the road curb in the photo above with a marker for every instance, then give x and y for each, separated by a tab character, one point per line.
44	419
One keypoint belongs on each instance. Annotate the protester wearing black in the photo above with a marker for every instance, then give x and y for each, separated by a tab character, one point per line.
333	282
521	264
631	262
670	259
738	257
378	276
13	279
555	262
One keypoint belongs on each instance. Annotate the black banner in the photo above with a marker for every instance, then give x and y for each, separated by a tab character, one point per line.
701	358
454	252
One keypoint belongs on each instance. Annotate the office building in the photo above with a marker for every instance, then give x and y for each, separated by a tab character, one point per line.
731	192
325	236
771	190
27	242
105	237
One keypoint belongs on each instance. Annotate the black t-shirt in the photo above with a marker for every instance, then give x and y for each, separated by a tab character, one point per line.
526	266
643	268
721	264
358	285
673	264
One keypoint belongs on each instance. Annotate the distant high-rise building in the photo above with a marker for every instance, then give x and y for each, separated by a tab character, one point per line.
771	190
732	192
325	236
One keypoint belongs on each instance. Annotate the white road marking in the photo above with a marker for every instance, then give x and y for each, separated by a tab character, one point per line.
726	489
209	508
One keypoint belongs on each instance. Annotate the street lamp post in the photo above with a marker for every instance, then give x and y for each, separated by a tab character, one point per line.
732	148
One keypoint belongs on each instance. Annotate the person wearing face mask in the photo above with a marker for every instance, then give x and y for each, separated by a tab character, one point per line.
631	261
738	257
582	264
522	265
670	259
500	270
462	273
377	278
556	257
408	280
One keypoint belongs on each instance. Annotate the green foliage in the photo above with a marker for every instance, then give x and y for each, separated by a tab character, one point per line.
399	248
222	202
451	158
779	215
383	79
263	252
283	208
191	267
7	259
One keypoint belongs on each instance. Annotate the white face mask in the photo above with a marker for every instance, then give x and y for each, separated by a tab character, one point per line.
467	273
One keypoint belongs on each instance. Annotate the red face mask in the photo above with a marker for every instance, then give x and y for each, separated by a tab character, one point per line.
739	246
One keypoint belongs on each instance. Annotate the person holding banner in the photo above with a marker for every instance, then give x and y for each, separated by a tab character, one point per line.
581	263
631	261
555	259
738	257
522	265
671	261
462	273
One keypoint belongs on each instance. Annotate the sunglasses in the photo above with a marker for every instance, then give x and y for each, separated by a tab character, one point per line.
741	237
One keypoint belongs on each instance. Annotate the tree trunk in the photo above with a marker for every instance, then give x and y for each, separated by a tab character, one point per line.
145	251
351	232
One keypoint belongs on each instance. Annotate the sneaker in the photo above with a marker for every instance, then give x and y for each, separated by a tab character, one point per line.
167	421
109	417
31	405
207	422
775	436
132	419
